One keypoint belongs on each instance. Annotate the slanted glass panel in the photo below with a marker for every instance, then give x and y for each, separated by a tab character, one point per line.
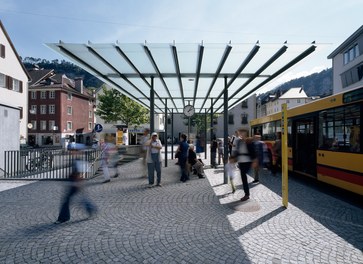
173	86
188	87
56	48
244	92
292	52
141	85
238	54
236	85
81	51
112	56
197	104
187	56
127	88
207	104
144	100
159	104
160	89
213	54
136	53
203	87
163	56
179	105
217	88
265	52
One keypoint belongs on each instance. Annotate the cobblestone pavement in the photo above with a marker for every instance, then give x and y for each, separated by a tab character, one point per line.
195	222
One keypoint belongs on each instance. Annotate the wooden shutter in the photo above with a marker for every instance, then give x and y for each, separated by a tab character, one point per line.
21	112
9	82
20	87
2	51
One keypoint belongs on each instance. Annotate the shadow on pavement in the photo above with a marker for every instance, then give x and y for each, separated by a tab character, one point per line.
324	205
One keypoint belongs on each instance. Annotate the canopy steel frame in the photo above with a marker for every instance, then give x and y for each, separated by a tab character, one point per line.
218	71
96	72
111	72
151	58
304	54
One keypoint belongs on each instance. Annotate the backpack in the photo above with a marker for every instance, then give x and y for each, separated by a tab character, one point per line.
250	148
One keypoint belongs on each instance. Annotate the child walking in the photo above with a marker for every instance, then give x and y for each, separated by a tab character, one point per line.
231	168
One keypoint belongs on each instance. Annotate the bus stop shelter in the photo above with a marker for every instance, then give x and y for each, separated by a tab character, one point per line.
167	77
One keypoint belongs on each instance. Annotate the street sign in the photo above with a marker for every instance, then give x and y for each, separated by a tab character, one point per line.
98	128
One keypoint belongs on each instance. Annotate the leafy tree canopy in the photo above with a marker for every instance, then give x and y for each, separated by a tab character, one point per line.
198	121
114	107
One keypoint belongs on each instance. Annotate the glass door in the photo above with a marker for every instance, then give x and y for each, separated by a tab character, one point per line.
304	145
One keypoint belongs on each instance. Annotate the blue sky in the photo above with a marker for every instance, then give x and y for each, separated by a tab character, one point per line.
30	24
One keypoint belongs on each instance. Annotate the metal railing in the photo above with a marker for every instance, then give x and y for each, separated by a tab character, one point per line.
39	164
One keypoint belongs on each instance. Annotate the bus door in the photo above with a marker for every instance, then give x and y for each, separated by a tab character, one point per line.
304	146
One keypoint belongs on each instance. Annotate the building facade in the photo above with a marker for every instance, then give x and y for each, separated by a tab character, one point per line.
13	90
347	62
61	110
239	116
293	97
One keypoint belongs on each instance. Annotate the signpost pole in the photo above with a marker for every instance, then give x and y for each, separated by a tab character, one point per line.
284	156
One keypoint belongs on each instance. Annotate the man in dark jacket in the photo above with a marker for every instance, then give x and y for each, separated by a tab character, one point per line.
183	156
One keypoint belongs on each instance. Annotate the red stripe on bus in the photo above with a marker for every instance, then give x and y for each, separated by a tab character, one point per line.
341	175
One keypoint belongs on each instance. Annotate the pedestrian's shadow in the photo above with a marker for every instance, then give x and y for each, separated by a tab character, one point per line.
40	229
259	221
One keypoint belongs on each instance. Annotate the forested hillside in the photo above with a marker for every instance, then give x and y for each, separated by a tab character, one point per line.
317	84
64	67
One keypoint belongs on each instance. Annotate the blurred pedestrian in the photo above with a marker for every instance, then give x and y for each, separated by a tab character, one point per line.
213	152
231	145
183	156
75	186
246	157
145	138
154	159
198	146
262	156
194	162
220	151
108	159
231	169
276	166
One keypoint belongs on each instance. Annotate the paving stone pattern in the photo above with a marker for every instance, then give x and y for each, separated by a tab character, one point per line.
195	222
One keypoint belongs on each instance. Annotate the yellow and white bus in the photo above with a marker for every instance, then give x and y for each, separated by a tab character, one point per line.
324	139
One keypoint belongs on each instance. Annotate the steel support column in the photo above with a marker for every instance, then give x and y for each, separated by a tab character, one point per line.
166	132
152	114
211	127
225	129
205	133
172	133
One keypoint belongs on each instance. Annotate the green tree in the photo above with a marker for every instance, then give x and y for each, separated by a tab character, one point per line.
198	121
114	107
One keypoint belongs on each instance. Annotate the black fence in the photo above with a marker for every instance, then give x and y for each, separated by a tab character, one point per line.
37	164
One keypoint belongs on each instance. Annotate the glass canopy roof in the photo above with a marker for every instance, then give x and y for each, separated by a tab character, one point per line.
182	74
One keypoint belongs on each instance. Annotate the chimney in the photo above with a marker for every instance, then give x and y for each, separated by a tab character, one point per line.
78	83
